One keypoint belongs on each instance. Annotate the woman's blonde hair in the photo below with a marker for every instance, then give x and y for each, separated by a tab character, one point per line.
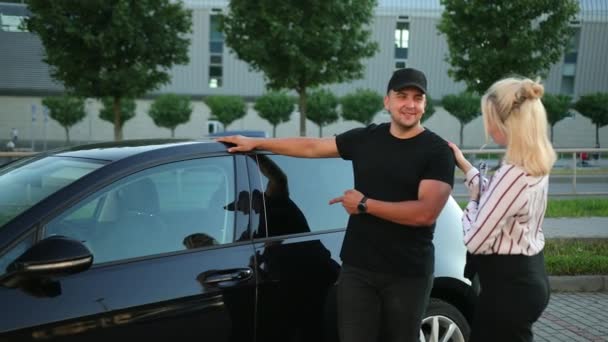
513	106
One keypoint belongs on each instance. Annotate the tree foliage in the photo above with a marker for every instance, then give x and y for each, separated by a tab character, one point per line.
429	110
594	107
170	111
226	108
557	107
301	44
322	108
275	107
66	110
489	40
111	48
361	105
107	111
464	107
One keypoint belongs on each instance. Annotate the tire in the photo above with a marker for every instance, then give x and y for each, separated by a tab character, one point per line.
443	322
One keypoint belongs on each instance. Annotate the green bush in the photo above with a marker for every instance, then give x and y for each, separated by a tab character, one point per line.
226	108
362	105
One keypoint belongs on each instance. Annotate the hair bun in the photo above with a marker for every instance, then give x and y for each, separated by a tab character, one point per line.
531	90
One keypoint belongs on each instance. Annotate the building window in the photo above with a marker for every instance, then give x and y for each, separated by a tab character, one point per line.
12	23
216	50
216	59
570	59
402	37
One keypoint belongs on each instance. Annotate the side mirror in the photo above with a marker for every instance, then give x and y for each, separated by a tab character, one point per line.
51	257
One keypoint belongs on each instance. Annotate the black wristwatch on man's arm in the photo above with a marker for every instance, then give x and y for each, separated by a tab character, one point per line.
362	206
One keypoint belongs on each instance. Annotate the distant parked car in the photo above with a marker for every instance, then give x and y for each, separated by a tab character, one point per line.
181	240
246	133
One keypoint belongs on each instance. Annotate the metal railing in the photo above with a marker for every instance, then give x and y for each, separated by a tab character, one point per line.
570	159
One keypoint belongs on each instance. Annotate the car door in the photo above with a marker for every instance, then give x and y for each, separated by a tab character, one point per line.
298	237
168	261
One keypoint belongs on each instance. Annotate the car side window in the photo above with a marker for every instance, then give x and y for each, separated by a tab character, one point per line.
163	209
297	192
14	252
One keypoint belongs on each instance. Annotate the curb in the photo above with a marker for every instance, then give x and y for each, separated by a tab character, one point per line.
582	283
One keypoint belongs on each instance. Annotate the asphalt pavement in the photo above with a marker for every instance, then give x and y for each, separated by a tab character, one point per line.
577	227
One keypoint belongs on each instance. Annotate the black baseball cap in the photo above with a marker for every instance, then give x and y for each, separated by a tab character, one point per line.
407	77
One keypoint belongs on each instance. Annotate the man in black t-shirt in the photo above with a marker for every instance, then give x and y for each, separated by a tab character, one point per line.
403	175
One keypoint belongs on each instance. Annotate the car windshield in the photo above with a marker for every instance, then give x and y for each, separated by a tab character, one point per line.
27	182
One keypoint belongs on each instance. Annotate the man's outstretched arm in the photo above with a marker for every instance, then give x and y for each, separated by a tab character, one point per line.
295	147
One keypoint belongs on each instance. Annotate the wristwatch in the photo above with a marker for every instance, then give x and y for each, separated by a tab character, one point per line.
362	207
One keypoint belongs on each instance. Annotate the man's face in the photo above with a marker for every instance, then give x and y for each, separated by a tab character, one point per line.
406	106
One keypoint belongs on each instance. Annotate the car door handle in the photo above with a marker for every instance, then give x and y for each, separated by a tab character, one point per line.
238	274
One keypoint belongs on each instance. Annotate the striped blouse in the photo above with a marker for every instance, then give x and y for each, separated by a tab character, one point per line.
509	216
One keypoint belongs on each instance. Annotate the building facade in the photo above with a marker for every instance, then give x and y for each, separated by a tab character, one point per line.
404	29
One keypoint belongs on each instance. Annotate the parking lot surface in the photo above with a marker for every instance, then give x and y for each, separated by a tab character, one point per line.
574	317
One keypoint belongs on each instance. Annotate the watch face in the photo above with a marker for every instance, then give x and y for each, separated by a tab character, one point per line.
362	206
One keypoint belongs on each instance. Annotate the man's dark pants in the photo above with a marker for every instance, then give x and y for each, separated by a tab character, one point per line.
380	307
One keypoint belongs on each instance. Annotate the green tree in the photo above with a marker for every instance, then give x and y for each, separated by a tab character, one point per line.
322	108
107	111
594	107
301	44
429	110
170	111
111	48
557	107
225	108
464	107
488	40
66	110
275	107
361	105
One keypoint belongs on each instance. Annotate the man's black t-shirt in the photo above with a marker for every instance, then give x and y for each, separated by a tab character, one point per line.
390	169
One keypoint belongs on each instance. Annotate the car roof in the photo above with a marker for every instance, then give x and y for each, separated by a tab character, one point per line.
116	150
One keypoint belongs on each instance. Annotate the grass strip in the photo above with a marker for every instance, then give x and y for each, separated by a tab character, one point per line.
583	207
576	256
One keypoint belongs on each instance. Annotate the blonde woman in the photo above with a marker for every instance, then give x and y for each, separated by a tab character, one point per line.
503	220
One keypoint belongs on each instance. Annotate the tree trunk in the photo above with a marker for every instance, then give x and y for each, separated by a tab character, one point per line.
173	132
67	135
551	133
274	131
320	131
302	104
597	135
117	120
461	133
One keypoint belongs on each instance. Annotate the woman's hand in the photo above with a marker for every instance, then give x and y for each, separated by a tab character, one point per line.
462	162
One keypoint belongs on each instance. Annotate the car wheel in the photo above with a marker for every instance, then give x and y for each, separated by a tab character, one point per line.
443	322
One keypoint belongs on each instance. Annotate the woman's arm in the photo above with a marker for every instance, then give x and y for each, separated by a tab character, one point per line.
505	197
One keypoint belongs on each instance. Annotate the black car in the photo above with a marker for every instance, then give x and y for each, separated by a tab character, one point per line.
182	240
